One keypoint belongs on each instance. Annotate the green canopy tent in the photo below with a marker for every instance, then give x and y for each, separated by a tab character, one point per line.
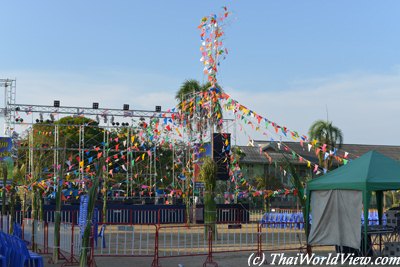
372	172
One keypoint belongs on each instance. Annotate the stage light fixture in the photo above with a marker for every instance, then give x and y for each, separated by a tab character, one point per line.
113	123
37	120
112	120
158	108
125	107
95	105
97	119
105	119
41	117
17	109
52	117
117	123
56	103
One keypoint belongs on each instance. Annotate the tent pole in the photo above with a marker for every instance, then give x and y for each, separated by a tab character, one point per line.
307	221
379	204
366	207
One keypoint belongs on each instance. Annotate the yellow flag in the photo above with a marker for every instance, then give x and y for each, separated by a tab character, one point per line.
314	142
143	156
308	164
81	164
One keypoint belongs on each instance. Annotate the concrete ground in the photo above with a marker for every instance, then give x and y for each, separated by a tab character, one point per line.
223	260
237	259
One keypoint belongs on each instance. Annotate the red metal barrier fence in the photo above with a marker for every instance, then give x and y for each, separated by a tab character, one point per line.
162	241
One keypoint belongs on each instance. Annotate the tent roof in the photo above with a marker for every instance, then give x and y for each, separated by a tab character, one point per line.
370	172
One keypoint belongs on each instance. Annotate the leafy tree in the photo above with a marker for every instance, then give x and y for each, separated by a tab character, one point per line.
268	182
69	132
326	133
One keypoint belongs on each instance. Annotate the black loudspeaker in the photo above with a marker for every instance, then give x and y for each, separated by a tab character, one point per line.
221	154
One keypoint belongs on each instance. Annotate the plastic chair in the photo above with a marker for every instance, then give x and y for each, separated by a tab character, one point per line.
296	221
13	251
17	230
27	256
5	250
268	217
3	261
264	218
283	220
292	220
375	217
370	222
384	219
301	222
276	220
269	220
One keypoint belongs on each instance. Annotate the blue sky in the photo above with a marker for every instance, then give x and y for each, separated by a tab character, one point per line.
288	60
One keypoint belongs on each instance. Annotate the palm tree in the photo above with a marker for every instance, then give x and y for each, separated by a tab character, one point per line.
326	134
188	87
193	99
